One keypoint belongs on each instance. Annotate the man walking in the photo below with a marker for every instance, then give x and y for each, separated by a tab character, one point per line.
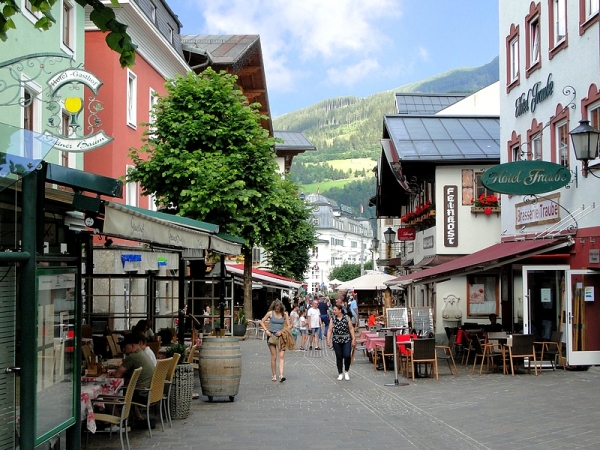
353	307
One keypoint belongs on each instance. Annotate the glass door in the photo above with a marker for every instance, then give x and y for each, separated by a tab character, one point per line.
543	300
583	315
9	377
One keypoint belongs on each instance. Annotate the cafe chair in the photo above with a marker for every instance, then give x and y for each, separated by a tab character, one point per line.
486	353
552	349
156	391
448	354
155	347
423	352
386	350
125	403
168	384
522	347
87	354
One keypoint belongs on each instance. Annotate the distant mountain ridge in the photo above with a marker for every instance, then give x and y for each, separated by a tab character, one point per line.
350	127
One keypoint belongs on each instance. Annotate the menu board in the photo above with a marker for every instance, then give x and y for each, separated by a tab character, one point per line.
422	320
397	317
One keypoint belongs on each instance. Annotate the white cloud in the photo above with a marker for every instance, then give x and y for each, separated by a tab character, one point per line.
350	75
305	33
423	53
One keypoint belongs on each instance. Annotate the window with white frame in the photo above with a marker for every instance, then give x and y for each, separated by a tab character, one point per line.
153	100
256	255
171	34
562	143
68	26
559	20
353	244
132	191
153	12
152	202
31	117
131	99
28	11
534	42
536	146
514	60
591	8
516	153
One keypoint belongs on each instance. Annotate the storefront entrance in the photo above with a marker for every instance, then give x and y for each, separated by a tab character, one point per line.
583	316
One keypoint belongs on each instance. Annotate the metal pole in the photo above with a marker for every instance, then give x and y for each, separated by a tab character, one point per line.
362	260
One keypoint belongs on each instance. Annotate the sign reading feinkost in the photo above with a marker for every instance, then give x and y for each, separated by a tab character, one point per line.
526	177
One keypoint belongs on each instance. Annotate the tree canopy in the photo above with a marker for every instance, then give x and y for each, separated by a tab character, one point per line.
347	272
102	16
207	155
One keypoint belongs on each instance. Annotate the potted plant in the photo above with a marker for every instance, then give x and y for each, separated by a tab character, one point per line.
183	382
486	204
241	323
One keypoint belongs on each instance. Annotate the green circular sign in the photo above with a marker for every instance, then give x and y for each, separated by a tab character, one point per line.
526	177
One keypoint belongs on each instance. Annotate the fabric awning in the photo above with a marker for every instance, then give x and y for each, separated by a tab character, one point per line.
263	276
166	230
495	256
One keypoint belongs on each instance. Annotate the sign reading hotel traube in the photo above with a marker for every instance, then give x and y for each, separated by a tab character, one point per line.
526	177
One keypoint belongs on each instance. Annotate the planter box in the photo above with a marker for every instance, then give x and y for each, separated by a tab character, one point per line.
481	210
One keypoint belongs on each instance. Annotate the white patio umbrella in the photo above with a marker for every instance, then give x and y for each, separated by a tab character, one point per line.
335	282
368	282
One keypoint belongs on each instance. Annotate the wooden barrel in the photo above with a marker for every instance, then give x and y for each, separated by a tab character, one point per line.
220	366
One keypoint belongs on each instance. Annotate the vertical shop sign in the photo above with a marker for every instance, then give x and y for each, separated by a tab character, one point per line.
450	216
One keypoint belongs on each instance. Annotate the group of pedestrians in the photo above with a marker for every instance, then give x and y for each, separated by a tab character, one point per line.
335	323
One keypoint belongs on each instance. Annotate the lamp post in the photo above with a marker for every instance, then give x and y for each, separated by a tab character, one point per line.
388	235
585	144
374	247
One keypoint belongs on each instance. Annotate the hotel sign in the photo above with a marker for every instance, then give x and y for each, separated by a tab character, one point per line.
407	234
67	103
537	94
526	177
450	216
543	211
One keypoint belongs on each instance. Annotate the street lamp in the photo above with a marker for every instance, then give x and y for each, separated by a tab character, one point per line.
585	144
388	235
374	248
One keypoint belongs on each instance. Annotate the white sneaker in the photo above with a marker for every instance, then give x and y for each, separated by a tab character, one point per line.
340	377
346	376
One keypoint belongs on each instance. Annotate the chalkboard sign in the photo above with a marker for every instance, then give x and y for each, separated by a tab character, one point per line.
397	317
422	320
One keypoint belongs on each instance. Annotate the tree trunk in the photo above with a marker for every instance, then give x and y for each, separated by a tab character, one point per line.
248	281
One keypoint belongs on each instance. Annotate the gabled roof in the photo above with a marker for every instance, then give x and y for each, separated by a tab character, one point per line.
415	103
444	139
239	55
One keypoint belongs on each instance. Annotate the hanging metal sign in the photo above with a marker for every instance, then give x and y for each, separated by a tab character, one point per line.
67	101
526	177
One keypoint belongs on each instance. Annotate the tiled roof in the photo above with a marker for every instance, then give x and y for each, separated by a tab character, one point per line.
292	140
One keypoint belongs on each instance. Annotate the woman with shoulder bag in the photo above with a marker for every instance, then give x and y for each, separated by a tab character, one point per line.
341	332
278	321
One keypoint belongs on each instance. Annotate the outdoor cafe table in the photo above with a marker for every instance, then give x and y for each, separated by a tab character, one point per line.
91	388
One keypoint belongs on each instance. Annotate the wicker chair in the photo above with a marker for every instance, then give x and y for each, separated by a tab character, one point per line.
522	347
156	391
168	384
124	403
386	350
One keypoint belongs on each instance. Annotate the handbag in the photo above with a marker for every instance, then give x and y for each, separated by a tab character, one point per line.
273	340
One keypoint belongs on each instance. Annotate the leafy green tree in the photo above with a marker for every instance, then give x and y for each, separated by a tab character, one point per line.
208	157
347	271
103	17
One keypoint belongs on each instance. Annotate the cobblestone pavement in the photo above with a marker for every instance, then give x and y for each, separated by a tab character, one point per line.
313	410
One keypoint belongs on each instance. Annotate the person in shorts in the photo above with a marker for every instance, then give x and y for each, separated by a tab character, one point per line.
314	325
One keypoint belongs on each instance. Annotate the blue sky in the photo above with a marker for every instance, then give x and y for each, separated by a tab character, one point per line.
317	49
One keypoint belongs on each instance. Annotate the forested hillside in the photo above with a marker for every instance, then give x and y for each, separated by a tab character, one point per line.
345	128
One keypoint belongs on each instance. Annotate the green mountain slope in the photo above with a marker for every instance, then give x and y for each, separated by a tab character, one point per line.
344	128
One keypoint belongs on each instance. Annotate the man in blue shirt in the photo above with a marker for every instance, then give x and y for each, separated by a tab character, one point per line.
354	311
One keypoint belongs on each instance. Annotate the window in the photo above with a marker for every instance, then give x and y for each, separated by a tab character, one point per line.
256	255
482	295
557	23
514	147
68	26
152	202
562	141
131	193
153	100
153	12
512	58
66	131
171	34
479	188
31	118
534	30
28	110
536	147
353	244
515	153
588	14
332	261
28	12
131	99
594	116
533	60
